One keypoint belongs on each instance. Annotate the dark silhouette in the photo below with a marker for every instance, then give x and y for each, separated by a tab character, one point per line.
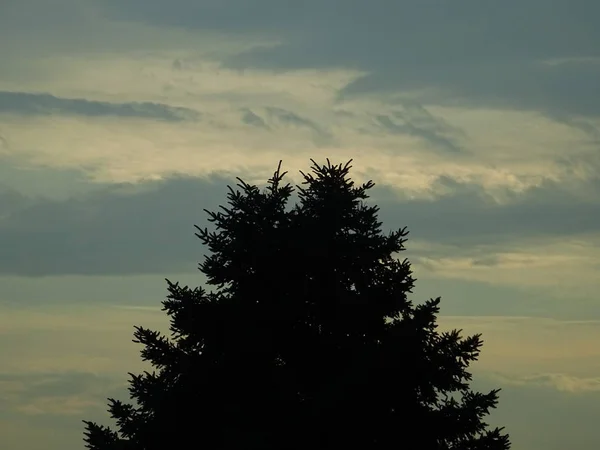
307	342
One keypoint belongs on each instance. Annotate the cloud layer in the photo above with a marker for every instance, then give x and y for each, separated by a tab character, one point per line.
141	228
513	54
27	104
121	120
65	362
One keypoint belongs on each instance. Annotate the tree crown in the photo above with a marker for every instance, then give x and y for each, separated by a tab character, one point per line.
308	338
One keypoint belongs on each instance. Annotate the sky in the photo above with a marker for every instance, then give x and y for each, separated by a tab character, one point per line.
121	120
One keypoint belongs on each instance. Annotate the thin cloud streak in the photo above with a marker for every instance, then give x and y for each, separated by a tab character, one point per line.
28	104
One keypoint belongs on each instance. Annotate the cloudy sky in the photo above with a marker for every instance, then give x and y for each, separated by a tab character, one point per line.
120	120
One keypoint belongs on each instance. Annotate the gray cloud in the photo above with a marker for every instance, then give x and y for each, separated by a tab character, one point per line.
20	182
149	228
251	118
565	418
117	230
418	122
11	201
57	384
487	261
528	85
52	406
582	124
289	118
45	104
534	24
272	117
467	52
468	216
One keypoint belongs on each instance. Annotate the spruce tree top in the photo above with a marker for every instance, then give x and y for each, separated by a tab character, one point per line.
307	341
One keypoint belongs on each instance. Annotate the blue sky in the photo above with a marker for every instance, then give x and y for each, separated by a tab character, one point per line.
121	120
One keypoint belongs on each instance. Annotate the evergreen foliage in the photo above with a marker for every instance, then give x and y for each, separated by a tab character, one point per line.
307	341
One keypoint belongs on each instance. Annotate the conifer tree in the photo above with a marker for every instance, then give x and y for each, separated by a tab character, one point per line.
307	339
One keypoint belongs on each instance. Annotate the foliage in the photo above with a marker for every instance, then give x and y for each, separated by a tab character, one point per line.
308	339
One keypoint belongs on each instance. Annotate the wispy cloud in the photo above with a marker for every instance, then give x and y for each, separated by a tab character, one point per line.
25	103
417	121
120	121
559	381
467	233
289	118
251	118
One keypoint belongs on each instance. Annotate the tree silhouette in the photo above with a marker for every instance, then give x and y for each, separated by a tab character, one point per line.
308	340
